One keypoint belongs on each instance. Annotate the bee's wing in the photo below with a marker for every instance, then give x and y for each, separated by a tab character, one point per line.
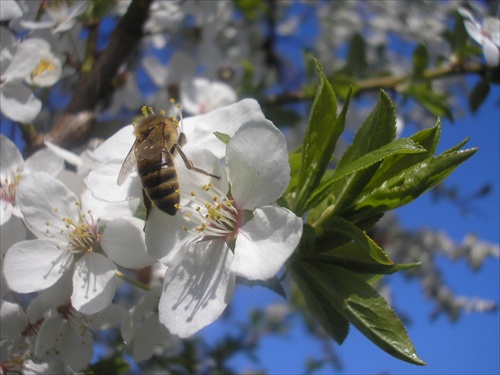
152	146
129	164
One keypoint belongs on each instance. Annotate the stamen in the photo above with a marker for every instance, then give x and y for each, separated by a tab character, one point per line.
211	220
83	235
43	66
8	188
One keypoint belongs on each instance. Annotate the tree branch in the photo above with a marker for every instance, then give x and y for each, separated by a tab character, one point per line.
74	125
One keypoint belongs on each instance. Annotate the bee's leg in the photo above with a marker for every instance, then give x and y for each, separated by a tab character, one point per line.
148	204
189	163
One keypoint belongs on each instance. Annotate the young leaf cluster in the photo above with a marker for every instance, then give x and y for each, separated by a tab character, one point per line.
337	261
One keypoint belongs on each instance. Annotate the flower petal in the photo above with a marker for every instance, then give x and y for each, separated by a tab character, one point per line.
44	203
164	235
102	183
151	333
200	129
24	61
205	160
11	160
10	10
117	146
106	211
14	320
94	283
123	242
59	339
34	265
197	288
491	53
265	242
257	161
19	103
44	160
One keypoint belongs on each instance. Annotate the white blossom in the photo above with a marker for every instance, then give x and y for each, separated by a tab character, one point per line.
215	237
487	35
18	102
13	169
199	95
49	67
58	17
84	237
142	330
10	10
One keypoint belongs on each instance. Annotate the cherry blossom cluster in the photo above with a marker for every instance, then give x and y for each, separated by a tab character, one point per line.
86	243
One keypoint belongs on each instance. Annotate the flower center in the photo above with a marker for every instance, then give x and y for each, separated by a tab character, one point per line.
42	67
8	188
83	236
212	214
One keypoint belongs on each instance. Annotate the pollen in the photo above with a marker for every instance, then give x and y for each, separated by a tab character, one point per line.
82	233
42	67
219	220
8	188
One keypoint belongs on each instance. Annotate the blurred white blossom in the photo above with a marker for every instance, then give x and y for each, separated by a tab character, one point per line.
487	35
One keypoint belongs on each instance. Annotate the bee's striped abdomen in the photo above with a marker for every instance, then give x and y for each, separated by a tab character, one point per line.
159	181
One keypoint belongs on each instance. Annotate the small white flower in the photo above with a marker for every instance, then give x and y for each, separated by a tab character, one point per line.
58	17
180	66
486	35
10	10
142	330
82	237
199	95
18	102
63	333
49	68
215	237
13	169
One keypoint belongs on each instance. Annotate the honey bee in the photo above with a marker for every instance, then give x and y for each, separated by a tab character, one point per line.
157	142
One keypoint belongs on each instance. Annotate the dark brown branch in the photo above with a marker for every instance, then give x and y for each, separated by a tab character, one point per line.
77	120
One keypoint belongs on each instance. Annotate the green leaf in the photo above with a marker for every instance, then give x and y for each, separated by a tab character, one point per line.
457	147
376	131
478	95
223	137
435	103
329	288
353	233
420	61
356	63
354	257
320	139
251	9
306	245
399	146
411	183
343	84
372	316
397	163
319	299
